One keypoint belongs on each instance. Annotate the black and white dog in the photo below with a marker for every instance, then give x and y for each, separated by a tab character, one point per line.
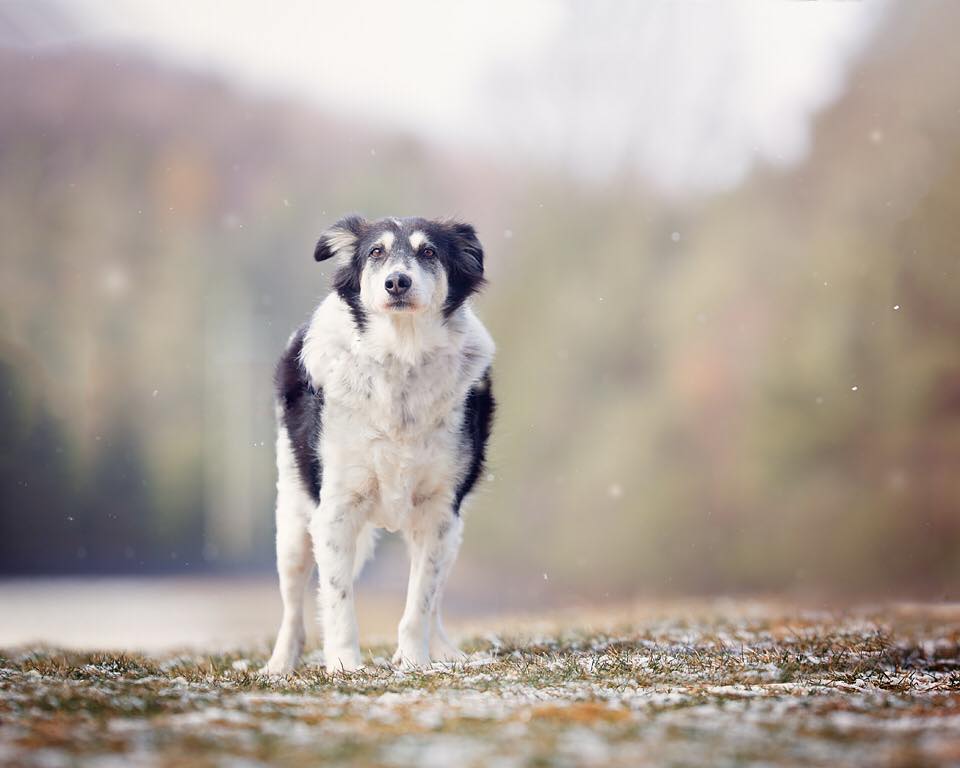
384	408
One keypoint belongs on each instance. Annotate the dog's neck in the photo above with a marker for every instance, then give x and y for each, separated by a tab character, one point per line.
410	337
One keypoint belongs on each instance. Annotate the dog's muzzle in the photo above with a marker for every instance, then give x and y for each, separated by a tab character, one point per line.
397	284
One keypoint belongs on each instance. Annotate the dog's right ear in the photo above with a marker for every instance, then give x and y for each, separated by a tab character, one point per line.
341	239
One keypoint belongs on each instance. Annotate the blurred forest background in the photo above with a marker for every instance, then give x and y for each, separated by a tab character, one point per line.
754	387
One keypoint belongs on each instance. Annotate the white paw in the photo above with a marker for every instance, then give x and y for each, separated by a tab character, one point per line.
278	667
286	653
284	659
342	660
411	658
444	650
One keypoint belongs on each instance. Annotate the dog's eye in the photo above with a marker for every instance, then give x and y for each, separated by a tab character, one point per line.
376	251
429	252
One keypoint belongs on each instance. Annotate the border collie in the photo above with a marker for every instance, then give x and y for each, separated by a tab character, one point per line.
384	407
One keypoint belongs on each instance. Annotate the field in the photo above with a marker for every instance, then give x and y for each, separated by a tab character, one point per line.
726	683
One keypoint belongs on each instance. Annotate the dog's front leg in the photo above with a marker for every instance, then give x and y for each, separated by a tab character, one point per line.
431	544
335	528
441	648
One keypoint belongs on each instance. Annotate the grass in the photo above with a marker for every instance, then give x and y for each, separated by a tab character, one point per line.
870	687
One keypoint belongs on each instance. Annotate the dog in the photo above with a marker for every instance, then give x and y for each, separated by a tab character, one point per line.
384	409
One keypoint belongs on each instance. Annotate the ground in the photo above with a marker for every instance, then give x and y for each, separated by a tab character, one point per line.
723	684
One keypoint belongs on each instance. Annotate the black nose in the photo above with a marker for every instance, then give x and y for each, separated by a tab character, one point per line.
398	283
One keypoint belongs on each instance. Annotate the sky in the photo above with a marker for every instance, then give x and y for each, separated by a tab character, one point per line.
688	95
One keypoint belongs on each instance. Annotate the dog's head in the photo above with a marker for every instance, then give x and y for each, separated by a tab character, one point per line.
403	265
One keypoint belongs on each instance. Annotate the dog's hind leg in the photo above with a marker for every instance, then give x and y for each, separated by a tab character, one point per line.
441	648
294	566
366	543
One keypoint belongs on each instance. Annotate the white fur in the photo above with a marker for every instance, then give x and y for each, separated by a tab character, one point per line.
386	239
341	242
417	239
393	407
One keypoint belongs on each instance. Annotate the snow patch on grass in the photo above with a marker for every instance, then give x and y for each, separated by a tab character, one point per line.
867	687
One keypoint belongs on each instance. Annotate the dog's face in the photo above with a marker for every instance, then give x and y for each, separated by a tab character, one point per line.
403	266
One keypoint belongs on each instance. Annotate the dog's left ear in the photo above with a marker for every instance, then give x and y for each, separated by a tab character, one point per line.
468	244
465	269
341	239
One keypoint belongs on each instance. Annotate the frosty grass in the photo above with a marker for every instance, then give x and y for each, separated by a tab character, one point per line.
759	687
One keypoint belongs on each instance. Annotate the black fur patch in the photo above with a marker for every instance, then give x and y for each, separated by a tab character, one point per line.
463	259
346	280
477	419
302	407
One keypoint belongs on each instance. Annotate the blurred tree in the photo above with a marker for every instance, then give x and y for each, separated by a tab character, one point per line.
756	390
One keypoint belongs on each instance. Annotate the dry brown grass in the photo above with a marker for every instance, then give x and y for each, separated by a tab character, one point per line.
720	684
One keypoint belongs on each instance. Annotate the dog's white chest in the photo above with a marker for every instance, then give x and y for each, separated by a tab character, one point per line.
393	409
394	428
